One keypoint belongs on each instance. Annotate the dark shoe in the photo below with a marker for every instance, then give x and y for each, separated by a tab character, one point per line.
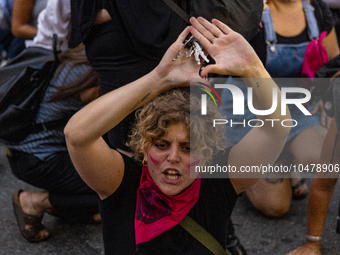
295	190
234	246
23	219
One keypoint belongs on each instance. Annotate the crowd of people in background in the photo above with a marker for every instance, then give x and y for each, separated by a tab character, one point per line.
130	144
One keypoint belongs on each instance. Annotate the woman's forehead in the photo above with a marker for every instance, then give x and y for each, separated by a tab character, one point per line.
177	131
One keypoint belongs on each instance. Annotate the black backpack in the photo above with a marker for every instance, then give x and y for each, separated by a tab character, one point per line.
23	82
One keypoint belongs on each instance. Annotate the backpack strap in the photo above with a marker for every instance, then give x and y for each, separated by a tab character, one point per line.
203	236
56	61
55	50
178	10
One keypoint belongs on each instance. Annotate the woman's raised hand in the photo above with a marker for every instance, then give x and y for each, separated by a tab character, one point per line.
177	71
232	53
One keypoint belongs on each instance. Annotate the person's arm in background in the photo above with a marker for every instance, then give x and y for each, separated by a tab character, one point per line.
320	195
22	12
331	44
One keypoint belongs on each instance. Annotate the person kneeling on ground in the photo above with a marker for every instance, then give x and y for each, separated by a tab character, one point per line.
42	159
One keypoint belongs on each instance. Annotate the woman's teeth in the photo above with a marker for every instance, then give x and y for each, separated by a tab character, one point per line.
172	174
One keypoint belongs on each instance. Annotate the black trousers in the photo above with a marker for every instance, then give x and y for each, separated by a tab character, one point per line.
68	193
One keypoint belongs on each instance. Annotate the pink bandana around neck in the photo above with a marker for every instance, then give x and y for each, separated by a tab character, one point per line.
157	212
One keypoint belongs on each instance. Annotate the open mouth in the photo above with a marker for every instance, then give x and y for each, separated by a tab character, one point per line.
172	174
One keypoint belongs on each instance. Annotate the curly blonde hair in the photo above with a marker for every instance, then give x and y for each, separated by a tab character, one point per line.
171	108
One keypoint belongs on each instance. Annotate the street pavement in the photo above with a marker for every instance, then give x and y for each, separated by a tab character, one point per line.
258	234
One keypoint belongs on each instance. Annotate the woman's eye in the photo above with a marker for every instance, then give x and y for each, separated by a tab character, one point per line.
186	149
160	145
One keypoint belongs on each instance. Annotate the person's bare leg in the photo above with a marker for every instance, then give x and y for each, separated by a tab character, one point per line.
305	149
272	196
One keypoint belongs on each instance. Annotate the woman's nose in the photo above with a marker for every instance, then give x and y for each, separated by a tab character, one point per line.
173	156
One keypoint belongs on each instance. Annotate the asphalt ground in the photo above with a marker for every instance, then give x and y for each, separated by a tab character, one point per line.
258	234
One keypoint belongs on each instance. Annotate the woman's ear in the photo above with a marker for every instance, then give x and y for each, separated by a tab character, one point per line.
145	152
145	161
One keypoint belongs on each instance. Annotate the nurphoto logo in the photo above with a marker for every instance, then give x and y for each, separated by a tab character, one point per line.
304	96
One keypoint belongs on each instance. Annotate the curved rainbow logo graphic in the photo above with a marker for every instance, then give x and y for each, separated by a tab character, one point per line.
209	93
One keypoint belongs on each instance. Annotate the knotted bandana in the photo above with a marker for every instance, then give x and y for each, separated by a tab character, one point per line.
157	212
